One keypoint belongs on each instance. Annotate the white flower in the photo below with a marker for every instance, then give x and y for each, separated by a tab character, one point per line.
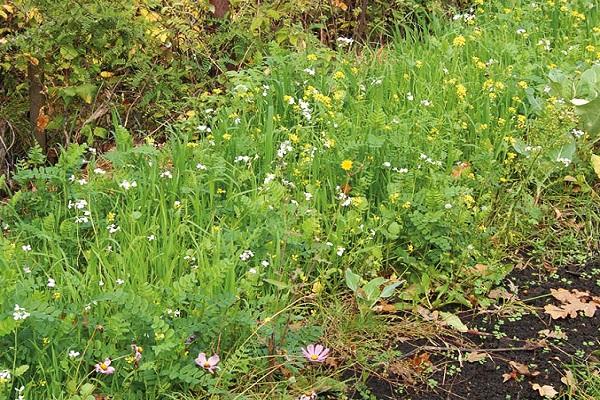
20	313
264	263
51	283
100	283
176	204
74	354
166	174
409	96
27	269
119	281
340	251
204	128
311	72
82	181
201	167
447	206
564	160
577	133
82	219
113	228
252	271
26	247
344	41
284	148
246	255
72	178
238	159
151	238
20	390
78	204
386	164
329	244
128	185
521	31
269	178
308	196
426	103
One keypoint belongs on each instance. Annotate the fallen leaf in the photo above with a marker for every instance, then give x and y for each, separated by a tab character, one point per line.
568	379
459	169
522	369
421	362
596	164
453	321
475	356
508	376
501	293
573	302
42	121
384	307
545	391
553	334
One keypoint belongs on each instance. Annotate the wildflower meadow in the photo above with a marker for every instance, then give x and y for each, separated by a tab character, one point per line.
285	230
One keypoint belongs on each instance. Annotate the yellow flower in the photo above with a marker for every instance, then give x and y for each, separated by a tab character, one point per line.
56	296
459	41
110	217
339	75
522	84
311	57
346	165
227	136
461	91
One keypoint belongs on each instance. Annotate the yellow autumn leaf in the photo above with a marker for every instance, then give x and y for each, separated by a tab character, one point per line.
106	74
596	164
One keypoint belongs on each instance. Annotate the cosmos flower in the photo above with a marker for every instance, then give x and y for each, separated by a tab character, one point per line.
315	353
104	367
209	364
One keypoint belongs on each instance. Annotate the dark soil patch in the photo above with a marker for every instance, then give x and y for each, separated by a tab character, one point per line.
515	326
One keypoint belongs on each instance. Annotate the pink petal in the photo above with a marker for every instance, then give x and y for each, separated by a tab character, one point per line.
318	349
110	370
107	362
214	360
201	359
325	352
310	349
306	353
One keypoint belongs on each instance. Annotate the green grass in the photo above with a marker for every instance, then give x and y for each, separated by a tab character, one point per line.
217	253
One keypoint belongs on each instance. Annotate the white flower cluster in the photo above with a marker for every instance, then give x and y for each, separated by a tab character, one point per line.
246	255
80	205
20	313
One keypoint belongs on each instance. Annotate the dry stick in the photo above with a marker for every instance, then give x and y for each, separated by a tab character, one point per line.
495	350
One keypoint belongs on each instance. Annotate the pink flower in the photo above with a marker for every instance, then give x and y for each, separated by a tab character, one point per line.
315	353
137	352
209	364
105	368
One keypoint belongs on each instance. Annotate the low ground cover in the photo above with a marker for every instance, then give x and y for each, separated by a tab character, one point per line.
292	205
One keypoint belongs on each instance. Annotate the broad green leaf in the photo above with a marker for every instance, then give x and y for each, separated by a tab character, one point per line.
389	290
596	164
352	280
453	321
19	371
278	284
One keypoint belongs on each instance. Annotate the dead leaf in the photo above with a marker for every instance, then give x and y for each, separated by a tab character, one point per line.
545	391
501	293
522	369
459	169
573	302
42	121
340	4
421	362
481	268
385	307
475	356
547	333
508	376
568	379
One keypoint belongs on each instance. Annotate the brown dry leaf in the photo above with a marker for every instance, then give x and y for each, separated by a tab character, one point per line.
475	356
501	293
421	362
568	379
42	121
547	333
459	169
340	4
331	362
385	307
481	268
545	391
573	302
508	376
522	369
